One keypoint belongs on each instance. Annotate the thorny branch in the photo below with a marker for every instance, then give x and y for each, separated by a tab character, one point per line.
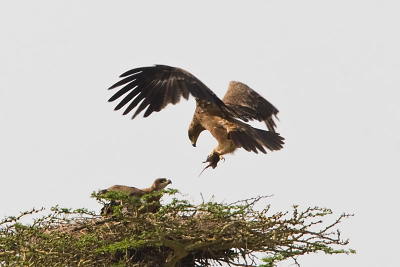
179	234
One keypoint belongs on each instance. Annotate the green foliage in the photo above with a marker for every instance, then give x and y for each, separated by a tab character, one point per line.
179	234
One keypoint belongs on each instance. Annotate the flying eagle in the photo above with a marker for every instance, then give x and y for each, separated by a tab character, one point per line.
157	86
158	185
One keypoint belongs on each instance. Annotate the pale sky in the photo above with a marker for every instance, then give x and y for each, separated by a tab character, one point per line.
331	68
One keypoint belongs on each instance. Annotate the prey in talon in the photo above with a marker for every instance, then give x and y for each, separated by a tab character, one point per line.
212	160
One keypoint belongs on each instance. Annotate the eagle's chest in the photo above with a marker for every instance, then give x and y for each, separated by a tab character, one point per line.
218	127
212	120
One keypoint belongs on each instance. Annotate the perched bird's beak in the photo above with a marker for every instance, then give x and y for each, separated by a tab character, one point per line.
169	182
193	144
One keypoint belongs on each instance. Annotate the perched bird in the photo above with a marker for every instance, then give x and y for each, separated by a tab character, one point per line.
157	86
158	185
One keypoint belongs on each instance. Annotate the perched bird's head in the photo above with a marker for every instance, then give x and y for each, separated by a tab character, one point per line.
161	183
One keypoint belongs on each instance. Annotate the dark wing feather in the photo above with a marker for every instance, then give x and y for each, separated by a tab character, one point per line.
271	140
132	191
249	105
252	139
157	86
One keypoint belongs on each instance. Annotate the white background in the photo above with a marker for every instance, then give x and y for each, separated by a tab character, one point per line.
331	68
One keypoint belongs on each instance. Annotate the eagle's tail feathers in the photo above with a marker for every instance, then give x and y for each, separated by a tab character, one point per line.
271	140
249	143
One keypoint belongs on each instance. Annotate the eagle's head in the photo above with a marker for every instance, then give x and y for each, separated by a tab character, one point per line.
194	131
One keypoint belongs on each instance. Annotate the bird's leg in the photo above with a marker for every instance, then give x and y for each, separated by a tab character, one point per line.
212	153
215	151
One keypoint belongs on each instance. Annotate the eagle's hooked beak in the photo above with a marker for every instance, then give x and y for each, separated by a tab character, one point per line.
193	142
169	181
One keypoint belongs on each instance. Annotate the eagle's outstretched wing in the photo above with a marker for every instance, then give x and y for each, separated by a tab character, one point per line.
249	105
157	86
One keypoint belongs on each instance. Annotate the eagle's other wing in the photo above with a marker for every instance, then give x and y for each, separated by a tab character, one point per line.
249	105
157	86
